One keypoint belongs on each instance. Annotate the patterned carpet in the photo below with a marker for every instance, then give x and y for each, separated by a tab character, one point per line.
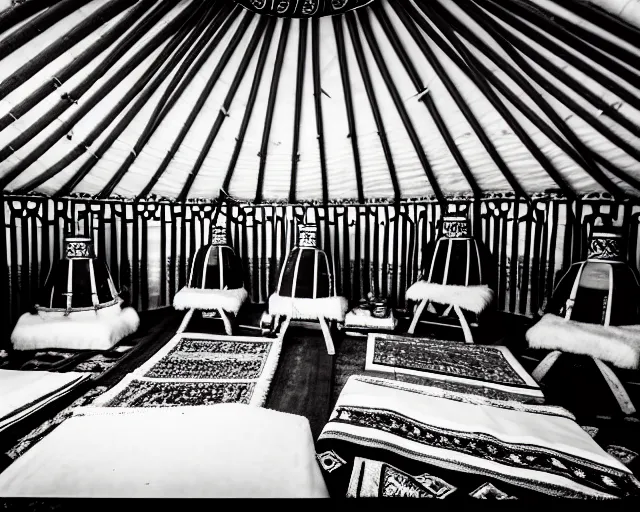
198	358
200	369
472	364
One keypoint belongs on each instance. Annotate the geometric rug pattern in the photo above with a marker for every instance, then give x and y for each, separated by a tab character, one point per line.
200	369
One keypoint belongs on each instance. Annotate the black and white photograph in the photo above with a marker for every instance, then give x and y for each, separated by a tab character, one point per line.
319	249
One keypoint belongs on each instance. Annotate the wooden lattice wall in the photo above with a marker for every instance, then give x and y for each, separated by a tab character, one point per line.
375	248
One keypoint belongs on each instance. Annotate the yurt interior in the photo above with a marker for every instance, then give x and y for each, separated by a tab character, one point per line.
319	249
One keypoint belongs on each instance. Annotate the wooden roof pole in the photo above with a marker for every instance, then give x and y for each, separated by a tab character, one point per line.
593	39
17	13
208	41
348	101
295	155
603	19
70	98
54	50
395	95
253	94
577	151
317	97
81	60
222	21
122	124
273	94
141	83
498	10
412	20
592	120
195	111
373	102
561	75
493	98
535	15
37	25
223	113
425	96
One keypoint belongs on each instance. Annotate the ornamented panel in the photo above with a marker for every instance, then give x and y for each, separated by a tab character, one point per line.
307	235
455	227
79	248
302	8
606	246
219	235
374	248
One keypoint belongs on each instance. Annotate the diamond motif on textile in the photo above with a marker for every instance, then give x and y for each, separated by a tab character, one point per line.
330	461
395	483
489	491
592	431
621	453
435	485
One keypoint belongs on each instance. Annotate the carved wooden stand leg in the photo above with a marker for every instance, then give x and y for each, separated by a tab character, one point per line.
327	336
468	337
417	315
545	365
616	387
186	320
228	327
622	397
283	328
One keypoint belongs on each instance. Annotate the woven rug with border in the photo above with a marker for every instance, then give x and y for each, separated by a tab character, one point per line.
200	369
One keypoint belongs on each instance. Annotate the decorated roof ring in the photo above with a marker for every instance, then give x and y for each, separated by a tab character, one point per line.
302	8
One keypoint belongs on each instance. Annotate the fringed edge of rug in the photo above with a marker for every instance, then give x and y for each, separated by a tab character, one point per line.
471	298
85	330
296	308
619	346
207	299
470	398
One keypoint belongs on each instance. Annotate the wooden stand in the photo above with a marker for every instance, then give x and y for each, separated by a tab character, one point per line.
466	329
326	331
228	323
620	394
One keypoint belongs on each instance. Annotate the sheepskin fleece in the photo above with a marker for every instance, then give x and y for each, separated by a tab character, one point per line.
82	330
619	345
331	308
470	298
197	298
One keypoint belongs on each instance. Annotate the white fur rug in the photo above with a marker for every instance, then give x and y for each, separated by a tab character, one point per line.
470	298
619	346
82	330
197	298
331	308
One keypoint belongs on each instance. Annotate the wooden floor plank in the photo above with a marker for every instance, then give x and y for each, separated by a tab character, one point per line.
303	381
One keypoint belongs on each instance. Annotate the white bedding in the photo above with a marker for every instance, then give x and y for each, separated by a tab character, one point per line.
24	392
464	441
220	451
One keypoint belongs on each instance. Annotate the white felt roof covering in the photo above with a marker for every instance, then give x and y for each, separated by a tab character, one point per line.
130	123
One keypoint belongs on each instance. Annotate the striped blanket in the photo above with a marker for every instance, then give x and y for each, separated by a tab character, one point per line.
387	438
